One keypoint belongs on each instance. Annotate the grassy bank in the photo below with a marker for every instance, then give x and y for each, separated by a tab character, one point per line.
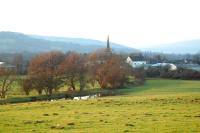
157	106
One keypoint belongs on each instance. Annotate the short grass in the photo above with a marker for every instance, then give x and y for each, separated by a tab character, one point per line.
16	89
158	106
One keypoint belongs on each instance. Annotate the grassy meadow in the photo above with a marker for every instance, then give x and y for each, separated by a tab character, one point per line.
157	106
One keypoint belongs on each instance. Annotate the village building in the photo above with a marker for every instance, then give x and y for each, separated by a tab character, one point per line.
6	65
1	63
135	64
171	66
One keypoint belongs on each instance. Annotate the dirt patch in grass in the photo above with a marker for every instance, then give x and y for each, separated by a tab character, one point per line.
71	123
57	127
130	125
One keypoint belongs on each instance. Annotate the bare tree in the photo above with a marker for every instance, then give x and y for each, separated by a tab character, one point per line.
73	70
27	85
108	69
6	79
43	70
83	72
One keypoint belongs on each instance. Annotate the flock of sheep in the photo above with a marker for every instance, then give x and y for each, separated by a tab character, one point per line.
87	97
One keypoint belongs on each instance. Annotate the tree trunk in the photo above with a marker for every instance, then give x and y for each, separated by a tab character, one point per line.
72	84
82	82
50	91
3	94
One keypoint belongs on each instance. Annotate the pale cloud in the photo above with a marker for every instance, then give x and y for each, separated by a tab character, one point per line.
136	23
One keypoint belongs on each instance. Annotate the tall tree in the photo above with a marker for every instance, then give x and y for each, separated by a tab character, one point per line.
109	70
7	77
44	70
73	70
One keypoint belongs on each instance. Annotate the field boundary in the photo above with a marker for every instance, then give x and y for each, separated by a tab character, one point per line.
66	95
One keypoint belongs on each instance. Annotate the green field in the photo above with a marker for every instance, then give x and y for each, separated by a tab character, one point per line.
158	106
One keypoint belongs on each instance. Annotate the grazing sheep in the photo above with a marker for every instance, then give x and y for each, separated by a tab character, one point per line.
85	97
76	98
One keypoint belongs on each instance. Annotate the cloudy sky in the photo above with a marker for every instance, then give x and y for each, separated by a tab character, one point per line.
135	23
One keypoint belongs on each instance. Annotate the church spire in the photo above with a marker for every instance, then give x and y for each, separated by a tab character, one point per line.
108	49
108	43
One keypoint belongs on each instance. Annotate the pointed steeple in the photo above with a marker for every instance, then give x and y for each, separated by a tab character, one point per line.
108	43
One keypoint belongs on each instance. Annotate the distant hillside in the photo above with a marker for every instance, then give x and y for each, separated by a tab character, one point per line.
184	47
12	42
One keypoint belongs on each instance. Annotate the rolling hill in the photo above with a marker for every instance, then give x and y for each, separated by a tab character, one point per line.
184	47
12	42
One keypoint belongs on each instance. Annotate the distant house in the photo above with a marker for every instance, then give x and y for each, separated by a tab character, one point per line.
135	64
6	65
172	67
2	64
129	60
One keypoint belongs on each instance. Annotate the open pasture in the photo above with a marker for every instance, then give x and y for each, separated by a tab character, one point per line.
158	106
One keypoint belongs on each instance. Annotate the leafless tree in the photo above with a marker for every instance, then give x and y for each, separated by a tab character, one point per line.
73	70
43	71
108	69
7	77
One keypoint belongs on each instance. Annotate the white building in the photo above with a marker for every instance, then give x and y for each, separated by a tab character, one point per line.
172	67
6	65
1	63
135	64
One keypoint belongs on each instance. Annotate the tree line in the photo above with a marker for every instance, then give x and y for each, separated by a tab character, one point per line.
48	72
165	72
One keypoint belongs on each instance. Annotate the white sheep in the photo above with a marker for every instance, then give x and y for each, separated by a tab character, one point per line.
85	97
76	98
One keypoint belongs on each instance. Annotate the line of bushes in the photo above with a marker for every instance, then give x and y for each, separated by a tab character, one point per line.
69	95
165	72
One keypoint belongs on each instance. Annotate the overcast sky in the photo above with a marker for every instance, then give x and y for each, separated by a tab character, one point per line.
135	23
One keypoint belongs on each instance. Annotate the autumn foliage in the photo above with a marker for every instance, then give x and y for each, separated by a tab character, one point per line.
47	72
109	69
43	72
73	70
